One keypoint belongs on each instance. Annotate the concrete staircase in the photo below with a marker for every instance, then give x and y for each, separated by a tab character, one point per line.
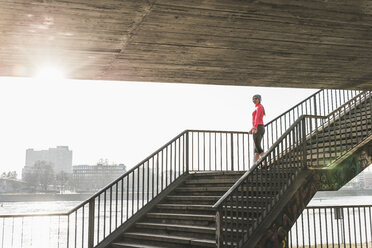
185	218
333	138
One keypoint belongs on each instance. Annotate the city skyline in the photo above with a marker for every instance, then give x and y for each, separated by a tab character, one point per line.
121	121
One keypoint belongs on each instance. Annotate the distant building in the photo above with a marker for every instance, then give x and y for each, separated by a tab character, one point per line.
60	158
95	177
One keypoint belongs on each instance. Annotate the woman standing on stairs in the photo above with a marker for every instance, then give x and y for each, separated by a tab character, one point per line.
258	129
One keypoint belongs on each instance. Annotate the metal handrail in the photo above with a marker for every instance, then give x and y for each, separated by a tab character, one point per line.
294	107
224	150
332	226
300	131
127	173
257	164
341	206
175	138
266	154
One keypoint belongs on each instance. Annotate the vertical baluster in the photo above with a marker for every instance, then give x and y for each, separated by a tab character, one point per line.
148	181
127	198
166	168
157	173
179	155
137	187
186	153
12	238
198	151
82	226
303	229
192	150
104	213
221	163
75	234
227	168
249	152
360	227
272	133
2	236
332	230
204	153
308	226
370	222
350	124
355	231
99	217
267	140
210	151
215	151
175	159
143	184
122	202
162	169
169	157
237	150
244	165
349	229
110	210
133	192
320	227
91	215
68	232
116	204
365	225
22	232
232	151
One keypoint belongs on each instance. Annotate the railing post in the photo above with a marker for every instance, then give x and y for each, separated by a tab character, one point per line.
91	224
219	228
187	151
304	141
315	111
232	152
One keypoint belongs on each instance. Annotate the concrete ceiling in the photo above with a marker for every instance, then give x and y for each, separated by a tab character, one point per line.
276	43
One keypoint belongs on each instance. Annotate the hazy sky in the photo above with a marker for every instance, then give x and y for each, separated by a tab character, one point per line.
123	122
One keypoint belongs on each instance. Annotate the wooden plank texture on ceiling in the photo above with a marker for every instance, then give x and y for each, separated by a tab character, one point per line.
285	43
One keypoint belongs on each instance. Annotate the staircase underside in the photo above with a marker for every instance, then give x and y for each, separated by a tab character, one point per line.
311	181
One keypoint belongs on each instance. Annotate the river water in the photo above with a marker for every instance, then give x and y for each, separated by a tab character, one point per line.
315	227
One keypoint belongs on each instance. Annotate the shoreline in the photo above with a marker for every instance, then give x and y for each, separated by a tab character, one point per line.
41	197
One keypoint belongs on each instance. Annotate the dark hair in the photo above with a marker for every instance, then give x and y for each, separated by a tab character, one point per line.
259	99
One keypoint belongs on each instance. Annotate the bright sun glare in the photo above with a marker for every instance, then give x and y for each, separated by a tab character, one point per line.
49	73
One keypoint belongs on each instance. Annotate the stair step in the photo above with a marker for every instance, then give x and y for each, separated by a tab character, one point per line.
211	200
193	197
217	173
211	181
171	239
132	245
182	216
223	189
186	228
184	207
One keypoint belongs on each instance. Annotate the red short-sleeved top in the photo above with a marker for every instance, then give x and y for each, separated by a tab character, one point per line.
257	115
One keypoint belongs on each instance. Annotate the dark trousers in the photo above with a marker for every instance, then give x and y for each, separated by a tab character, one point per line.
257	138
